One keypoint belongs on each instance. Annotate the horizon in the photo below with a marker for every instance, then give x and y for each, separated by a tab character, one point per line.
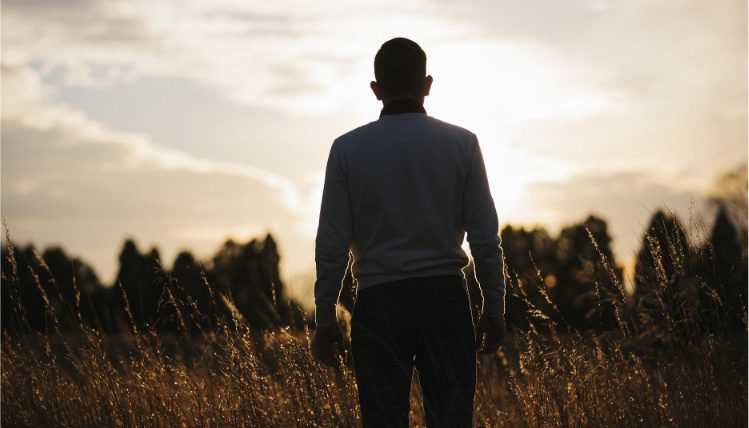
696	225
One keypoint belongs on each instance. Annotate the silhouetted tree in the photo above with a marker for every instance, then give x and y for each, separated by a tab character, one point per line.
531	266
130	277
23	307
572	280
729	194
730	264
195	295
72	283
46	292
139	275
667	289
585	289
250	275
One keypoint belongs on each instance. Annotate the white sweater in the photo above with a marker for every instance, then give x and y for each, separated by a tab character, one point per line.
400	194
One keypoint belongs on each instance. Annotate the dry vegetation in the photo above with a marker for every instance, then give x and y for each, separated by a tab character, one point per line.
231	375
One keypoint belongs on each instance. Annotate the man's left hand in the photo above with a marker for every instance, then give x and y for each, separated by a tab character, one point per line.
490	333
327	343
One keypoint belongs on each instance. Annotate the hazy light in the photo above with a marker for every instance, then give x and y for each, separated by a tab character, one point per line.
489	85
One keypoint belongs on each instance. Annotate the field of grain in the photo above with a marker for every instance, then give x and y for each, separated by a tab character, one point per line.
663	369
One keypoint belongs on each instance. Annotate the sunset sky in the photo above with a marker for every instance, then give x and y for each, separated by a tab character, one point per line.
182	123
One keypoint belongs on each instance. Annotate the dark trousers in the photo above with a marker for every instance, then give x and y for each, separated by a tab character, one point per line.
396	328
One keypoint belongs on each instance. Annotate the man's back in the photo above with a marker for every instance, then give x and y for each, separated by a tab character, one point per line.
406	177
400	194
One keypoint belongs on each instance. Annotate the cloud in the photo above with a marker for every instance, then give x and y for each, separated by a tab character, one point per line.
261	53
579	56
313	59
71	180
27	94
659	52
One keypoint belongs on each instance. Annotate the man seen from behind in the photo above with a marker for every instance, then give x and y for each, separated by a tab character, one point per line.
400	195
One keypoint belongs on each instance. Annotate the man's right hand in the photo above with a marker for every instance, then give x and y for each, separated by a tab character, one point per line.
490	333
327	343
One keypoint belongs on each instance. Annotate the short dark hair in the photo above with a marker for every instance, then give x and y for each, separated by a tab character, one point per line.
400	68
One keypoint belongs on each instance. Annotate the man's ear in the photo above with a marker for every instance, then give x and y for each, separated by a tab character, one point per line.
376	89
427	84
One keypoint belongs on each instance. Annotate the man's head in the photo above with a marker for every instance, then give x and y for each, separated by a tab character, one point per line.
400	71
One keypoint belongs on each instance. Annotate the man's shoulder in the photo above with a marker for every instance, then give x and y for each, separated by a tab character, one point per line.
406	121
451	127
358	132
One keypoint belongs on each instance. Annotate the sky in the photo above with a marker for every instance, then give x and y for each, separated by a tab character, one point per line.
182	123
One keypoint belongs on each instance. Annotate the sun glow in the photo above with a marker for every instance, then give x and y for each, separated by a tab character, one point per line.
487	86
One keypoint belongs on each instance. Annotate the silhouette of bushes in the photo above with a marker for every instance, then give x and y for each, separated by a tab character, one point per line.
52	291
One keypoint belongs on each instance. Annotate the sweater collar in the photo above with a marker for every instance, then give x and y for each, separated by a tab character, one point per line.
404	105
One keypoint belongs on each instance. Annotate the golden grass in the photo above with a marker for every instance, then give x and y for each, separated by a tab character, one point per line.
236	379
232	376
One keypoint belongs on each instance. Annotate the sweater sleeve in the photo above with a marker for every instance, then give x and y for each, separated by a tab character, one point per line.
482	232
333	241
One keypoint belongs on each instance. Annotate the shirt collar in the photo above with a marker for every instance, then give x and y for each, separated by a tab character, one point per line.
400	106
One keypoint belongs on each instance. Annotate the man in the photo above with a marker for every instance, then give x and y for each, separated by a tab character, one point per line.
400	194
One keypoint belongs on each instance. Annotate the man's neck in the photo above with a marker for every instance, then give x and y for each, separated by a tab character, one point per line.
403	105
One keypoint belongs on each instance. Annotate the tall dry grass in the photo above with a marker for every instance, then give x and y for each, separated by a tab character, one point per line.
231	375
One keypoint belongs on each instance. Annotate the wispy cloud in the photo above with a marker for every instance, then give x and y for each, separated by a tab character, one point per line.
261	53
306	59
25	92
68	179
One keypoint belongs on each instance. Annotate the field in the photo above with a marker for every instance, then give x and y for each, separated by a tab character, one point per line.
661	370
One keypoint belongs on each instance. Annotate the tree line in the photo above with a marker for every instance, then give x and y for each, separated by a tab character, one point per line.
572	280
689	284
48	291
